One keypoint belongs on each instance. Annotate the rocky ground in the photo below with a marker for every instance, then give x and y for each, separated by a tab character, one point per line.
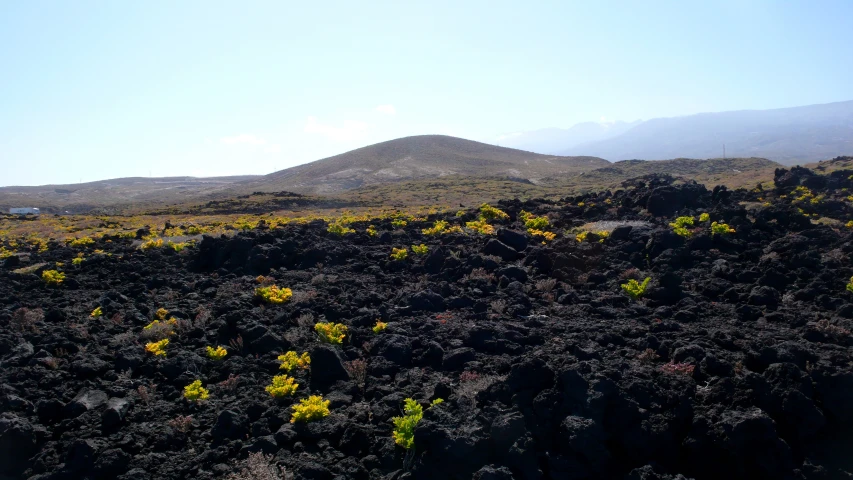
735	364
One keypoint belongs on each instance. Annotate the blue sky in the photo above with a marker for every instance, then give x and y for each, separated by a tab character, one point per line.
97	89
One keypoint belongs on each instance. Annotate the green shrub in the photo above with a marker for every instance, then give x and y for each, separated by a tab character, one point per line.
635	289
721	229
52	277
333	333
310	409
679	226
404	427
339	230
400	253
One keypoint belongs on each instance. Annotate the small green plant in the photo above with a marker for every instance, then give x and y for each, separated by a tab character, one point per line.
178	246
310	409
850	285
97	312
437	228
291	360
705	217
488	212
158	349
404	427
400	253
52	277
282	386
379	327
635	289
333	333
273	294
420	249
532	222
371	230
679	226
152	243
217	353
849	224
339	230
480	226
721	229
399	223
584	236
194	392
81	242
76	261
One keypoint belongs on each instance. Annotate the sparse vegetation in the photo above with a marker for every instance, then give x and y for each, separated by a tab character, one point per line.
400	254
635	289
290	360
282	386
680	226
420	249
274	295
53	277
333	333
195	392
379	327
404	427
721	229
310	409
217	353
157	349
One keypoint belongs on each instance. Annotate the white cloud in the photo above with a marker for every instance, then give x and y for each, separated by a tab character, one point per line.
386	109
244	138
351	130
273	149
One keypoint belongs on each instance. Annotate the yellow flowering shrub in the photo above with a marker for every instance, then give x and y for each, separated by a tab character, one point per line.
310	409
152	243
217	353
291	360
52	277
273	294
400	253
339	229
480	226
420	249
380	326
97	312
333	333
194	392
281	386
488	212
157	349
721	229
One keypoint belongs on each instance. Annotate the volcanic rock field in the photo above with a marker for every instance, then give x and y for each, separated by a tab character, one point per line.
734	364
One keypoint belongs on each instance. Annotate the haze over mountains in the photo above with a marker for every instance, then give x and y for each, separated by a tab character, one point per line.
785	135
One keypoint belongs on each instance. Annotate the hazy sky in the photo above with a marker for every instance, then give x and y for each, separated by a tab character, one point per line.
101	89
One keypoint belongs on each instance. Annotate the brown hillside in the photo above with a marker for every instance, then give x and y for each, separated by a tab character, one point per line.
419	157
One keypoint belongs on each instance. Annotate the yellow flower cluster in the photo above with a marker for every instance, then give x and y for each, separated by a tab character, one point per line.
157	349
291	360
195	392
282	386
333	333
217	353
273	294
310	409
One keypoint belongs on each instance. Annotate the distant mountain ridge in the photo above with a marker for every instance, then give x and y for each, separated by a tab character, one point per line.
554	141
796	135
